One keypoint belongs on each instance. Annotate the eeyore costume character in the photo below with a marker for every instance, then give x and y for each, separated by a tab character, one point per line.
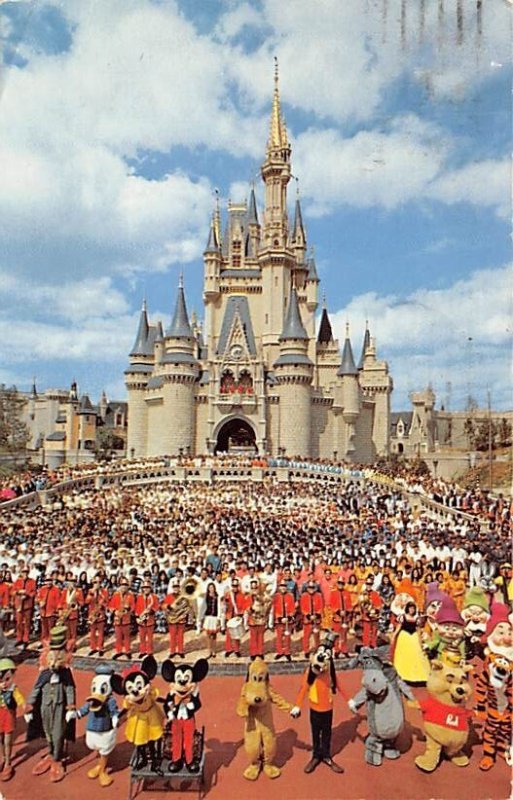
382	690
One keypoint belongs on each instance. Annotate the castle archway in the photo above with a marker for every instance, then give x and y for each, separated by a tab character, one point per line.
234	436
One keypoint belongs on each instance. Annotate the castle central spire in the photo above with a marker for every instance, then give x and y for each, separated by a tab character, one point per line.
276	173
278	131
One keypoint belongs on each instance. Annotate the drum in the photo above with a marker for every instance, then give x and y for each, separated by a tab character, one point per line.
211	624
235	628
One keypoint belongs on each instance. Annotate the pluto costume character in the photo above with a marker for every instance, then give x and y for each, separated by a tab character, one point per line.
255	706
445	716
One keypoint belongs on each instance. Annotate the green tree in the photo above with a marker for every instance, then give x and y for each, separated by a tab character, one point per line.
504	433
14	434
485	429
106	443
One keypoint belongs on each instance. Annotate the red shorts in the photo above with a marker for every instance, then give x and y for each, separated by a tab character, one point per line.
7	720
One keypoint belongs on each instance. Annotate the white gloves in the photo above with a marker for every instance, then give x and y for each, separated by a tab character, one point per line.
295	712
352	706
115	722
28	717
70	715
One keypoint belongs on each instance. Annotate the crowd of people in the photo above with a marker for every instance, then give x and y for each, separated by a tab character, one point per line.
264	565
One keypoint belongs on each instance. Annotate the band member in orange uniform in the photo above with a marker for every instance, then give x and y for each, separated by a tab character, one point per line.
48	598
146	605
122	603
23	594
370	602
257	614
340	602
176	620
72	599
311	606
97	601
284	609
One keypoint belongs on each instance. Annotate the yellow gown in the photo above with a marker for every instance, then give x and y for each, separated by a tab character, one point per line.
145	721
409	659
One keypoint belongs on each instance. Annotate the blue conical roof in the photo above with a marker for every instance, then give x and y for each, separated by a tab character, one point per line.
299	230
325	334
252	215
293	327
180	326
347	365
366	343
140	347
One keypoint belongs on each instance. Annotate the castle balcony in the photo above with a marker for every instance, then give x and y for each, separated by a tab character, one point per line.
229	402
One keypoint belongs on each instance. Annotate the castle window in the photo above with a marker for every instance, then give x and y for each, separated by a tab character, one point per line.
236	261
227	382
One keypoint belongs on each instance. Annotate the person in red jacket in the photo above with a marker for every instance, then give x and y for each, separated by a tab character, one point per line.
48	599
5	604
122	603
369	603
284	609
340	603
23	597
71	601
146	605
311	606
97	601
176	620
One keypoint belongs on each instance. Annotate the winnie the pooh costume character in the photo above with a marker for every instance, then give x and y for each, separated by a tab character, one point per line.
445	716
255	705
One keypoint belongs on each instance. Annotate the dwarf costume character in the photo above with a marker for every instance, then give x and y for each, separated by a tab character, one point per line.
448	640
102	721
499	631
434	599
475	613
10	700
320	684
50	709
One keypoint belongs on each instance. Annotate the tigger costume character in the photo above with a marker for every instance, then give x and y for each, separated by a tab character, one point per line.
494	705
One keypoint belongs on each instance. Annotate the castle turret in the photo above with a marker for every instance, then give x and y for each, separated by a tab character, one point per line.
348	374
293	373
136	378
366	344
179	373
253	227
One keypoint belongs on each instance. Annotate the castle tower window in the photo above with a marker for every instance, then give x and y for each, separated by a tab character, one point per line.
227	382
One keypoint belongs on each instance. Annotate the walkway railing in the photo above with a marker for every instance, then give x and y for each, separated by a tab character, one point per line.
280	469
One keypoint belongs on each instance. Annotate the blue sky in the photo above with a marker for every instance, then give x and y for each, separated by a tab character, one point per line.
120	119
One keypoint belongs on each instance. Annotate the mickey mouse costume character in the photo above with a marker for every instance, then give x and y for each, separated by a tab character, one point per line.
102	722
180	707
145	718
320	682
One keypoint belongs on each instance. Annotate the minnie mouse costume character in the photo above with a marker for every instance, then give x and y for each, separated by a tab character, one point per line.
320	682
145	718
180	707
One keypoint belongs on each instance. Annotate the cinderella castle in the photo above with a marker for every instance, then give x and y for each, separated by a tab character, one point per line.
259	376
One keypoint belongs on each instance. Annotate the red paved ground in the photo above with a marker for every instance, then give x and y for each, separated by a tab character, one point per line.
225	758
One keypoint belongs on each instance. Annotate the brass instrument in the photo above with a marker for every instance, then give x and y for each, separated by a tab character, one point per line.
182	604
71	606
143	618
119	613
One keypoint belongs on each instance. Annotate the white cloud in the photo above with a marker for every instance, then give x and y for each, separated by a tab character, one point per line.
486	183
461	335
372	168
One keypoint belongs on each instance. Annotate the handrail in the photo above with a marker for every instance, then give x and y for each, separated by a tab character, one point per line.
282	469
